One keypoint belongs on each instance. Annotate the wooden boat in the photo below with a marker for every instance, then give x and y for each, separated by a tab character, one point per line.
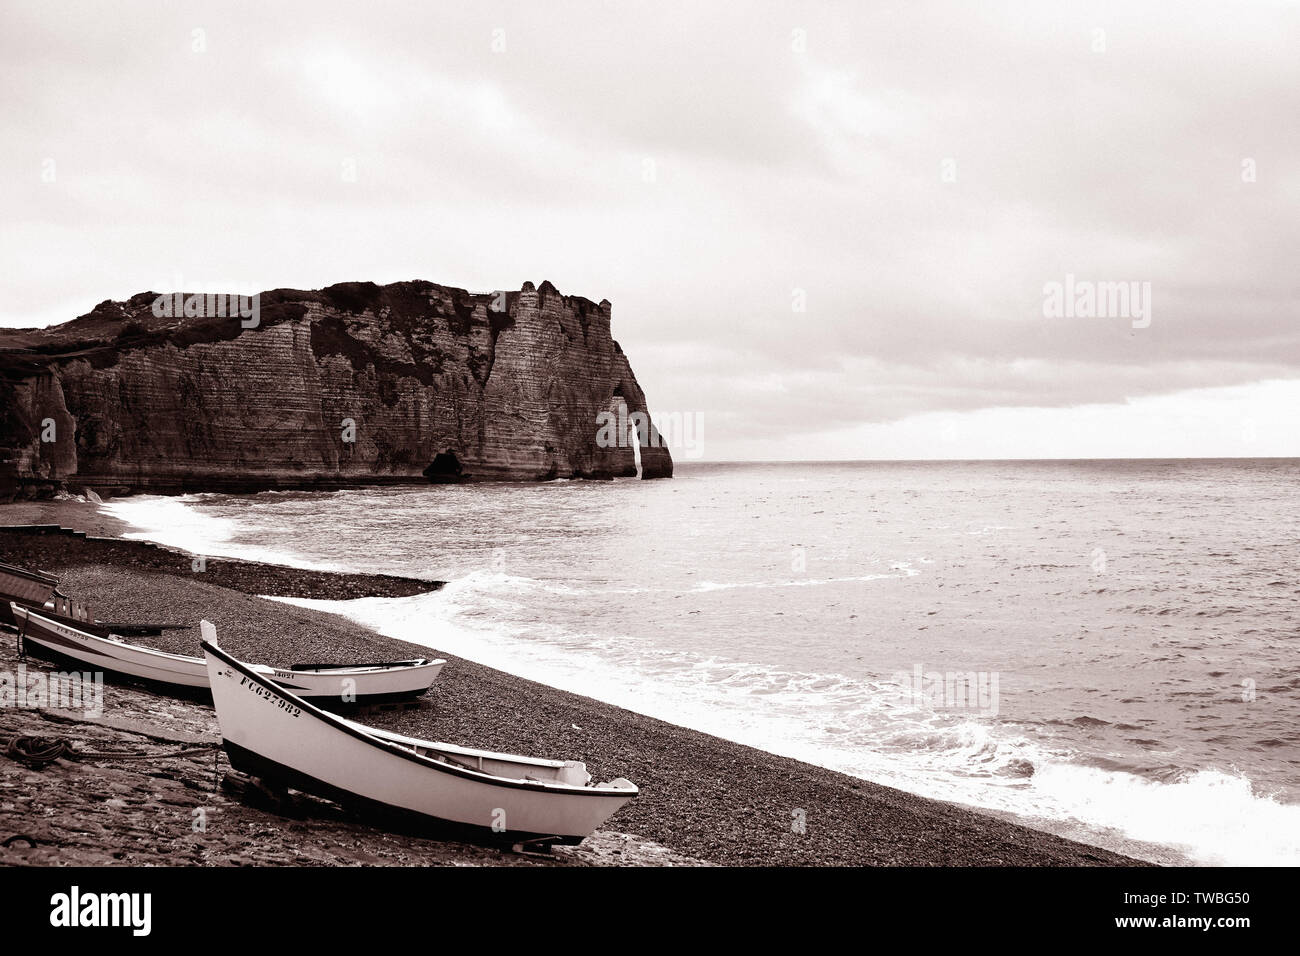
272	734
25	587
362	683
40	592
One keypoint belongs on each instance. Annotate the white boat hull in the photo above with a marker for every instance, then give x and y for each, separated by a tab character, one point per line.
359	683
270	733
345	684
101	653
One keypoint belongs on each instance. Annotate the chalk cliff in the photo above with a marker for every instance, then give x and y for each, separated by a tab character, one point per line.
352	384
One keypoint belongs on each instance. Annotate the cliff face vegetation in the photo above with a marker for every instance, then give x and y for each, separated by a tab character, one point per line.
352	384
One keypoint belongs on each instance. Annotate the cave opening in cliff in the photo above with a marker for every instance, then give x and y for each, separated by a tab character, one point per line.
445	468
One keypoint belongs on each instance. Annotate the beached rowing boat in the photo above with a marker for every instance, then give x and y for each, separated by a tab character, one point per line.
362	683
25	587
40	592
28	586
272	734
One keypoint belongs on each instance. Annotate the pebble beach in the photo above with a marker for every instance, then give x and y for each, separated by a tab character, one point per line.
703	801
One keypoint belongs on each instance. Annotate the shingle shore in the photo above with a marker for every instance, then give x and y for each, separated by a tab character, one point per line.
701	797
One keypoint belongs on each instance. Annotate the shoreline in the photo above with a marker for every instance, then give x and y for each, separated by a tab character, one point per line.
703	798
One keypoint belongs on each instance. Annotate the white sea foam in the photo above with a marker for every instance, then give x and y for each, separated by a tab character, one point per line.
176	523
864	728
171	521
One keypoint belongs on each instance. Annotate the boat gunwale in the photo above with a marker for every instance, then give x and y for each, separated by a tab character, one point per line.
405	740
397	667
368	669
355	731
43	621
40	577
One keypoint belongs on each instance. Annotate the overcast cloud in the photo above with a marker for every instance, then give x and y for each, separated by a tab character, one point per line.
912	174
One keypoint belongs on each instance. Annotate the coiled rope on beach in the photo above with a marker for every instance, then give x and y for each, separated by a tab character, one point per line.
40	752
37	752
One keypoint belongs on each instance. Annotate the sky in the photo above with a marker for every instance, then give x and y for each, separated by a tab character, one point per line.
828	230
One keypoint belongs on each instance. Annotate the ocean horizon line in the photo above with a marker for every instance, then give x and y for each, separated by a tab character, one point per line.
928	461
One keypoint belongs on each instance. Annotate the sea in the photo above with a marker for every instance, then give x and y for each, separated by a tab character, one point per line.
1108	650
